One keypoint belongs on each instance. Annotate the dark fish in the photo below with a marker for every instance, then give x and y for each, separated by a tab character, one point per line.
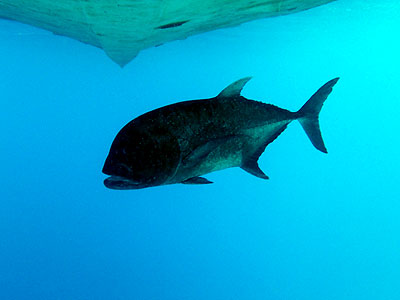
180	142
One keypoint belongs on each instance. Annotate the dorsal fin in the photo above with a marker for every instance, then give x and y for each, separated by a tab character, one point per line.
235	88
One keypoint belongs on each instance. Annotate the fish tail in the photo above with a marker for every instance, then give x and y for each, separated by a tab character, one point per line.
309	113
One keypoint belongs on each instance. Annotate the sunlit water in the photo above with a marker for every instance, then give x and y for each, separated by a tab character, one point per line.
323	226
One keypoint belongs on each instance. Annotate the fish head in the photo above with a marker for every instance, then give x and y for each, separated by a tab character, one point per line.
141	158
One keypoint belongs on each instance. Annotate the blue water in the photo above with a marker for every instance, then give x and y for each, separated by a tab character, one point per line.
323	226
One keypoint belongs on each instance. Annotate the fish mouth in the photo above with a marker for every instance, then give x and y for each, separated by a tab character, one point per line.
122	183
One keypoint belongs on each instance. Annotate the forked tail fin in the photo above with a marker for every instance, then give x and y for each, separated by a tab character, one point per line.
309	113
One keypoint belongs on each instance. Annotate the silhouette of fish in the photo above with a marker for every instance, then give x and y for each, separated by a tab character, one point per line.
180	142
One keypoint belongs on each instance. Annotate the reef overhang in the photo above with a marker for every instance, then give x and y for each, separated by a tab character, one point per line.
122	28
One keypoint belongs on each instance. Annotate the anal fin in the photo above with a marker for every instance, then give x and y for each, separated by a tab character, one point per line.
197	180
251	166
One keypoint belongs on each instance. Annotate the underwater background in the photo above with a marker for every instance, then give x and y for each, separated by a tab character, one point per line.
323	226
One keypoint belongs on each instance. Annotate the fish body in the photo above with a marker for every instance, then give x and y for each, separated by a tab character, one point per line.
181	142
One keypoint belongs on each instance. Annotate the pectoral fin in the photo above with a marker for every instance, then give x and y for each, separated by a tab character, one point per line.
202	151
197	180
